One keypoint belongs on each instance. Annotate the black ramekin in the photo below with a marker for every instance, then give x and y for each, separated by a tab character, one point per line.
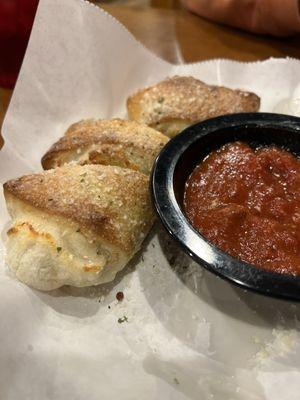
176	162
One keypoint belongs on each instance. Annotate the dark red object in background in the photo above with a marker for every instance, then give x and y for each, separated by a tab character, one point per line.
16	18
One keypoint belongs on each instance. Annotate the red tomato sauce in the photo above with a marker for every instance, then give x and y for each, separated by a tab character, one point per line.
247	202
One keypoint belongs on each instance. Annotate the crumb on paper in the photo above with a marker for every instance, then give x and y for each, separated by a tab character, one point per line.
256	339
120	296
282	344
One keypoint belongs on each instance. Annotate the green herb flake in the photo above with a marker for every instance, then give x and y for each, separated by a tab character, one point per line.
161	99
176	381
83	176
58	249
123	319
78	230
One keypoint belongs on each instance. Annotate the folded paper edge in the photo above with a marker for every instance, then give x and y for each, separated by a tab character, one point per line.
99	9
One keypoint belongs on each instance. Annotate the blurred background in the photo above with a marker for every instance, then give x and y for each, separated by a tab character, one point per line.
143	3
166	27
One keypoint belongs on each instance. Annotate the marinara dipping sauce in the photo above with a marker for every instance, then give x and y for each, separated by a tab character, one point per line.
247	202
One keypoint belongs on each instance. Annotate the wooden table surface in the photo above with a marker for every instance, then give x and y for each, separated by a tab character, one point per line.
178	36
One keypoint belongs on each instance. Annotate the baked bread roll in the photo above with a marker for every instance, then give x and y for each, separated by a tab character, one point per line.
175	103
126	144
76	225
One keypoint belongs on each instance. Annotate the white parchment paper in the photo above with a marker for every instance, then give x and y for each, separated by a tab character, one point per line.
189	335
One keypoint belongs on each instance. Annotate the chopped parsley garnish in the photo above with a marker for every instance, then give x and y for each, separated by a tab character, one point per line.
123	319
161	99
58	249
83	176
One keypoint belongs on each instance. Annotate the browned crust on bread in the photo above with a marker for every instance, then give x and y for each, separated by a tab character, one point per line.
108	202
187	98
113	143
92	123
108	156
16	228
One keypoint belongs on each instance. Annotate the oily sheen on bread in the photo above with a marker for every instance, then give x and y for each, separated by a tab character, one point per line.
118	142
76	225
175	103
